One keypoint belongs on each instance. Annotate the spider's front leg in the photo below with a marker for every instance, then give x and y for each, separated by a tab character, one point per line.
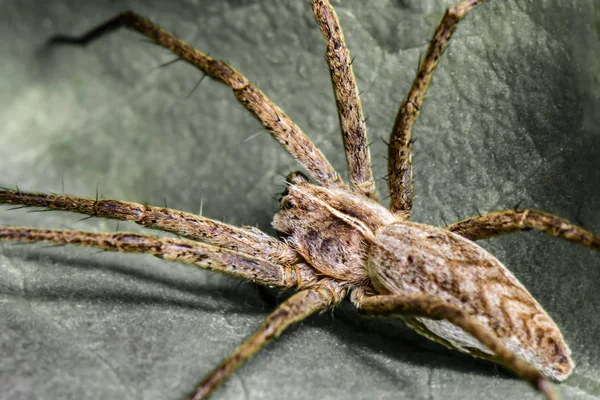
199	254
400	147
303	304
352	122
249	241
279	125
431	307
508	221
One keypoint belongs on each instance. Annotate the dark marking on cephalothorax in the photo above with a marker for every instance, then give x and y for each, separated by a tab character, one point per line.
330	228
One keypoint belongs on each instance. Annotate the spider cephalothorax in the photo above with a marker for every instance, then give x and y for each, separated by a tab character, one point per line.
332	228
337	240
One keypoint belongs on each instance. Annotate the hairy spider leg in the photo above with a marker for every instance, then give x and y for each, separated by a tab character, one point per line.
279	125
352	121
199	254
400	147
248	240
296	308
508	221
420	305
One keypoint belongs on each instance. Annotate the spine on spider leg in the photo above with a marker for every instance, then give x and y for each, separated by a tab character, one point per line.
246	240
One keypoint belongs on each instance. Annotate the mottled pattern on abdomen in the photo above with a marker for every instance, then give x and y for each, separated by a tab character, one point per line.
410	258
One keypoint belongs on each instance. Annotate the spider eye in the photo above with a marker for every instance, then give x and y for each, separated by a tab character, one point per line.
287	203
285	193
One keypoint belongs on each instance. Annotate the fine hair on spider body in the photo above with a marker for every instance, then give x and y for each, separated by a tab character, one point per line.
336	240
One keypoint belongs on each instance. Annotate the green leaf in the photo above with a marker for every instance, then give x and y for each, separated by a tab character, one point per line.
511	118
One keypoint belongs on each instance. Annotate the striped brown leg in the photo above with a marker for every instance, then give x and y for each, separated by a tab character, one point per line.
508	221
399	150
199	254
248	240
283	129
354	129
295	309
418	305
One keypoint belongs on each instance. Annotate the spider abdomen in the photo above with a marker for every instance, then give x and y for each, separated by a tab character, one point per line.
411	258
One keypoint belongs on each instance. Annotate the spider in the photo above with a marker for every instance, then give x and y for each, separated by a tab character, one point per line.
294	178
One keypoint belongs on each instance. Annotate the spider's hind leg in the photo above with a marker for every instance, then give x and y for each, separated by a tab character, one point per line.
508	221
431	307
400	148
